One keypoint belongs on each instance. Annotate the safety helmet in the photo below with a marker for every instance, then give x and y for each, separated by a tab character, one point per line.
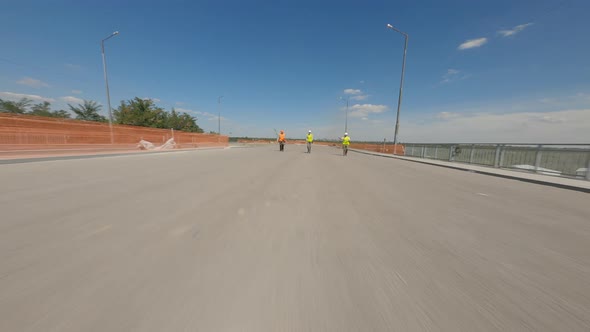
345	134
309	131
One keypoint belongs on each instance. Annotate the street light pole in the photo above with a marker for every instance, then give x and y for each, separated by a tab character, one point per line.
219	115
401	86
106	80
346	118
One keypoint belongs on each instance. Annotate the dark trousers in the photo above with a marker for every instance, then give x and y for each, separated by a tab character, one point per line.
282	145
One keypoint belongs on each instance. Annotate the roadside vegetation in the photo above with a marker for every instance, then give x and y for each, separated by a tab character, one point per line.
134	112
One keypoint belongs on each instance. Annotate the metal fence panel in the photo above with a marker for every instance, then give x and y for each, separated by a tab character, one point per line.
463	153
571	160
443	152
568	162
484	155
516	157
429	151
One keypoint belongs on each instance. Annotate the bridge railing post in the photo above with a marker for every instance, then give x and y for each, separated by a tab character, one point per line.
502	155
538	156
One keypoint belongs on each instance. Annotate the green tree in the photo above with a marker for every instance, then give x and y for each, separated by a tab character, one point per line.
173	120
141	112
88	111
189	123
44	109
183	121
41	109
61	114
18	107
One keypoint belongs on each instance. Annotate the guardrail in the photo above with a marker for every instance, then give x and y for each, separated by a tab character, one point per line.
569	160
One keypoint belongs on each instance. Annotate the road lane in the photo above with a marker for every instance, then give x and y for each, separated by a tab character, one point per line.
253	239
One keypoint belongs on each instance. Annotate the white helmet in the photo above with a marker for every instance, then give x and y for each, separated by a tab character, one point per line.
345	134
309	131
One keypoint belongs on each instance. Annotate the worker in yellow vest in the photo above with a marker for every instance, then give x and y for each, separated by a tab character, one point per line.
345	144
309	141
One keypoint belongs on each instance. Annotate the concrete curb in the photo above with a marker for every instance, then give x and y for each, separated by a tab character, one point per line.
546	180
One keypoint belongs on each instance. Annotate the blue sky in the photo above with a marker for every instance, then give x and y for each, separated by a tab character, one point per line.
522	74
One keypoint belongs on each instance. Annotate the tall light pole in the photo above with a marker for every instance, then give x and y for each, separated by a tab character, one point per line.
401	86
106	80
346	118
219	115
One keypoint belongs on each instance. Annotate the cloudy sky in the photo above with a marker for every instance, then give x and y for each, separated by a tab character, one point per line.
477	71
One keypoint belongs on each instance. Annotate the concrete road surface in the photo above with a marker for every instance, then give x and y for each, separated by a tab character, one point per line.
253	239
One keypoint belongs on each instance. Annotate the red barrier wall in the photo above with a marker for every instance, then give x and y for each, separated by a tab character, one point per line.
24	131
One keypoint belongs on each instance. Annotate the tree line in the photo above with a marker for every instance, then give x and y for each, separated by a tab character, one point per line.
134	112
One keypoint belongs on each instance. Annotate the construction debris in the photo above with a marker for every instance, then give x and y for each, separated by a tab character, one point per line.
146	145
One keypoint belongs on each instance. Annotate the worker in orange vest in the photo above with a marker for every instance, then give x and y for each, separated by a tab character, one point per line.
282	140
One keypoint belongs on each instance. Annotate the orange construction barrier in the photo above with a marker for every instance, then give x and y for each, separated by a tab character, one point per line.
19	132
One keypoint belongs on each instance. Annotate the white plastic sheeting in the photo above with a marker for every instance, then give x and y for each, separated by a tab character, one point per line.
170	144
147	145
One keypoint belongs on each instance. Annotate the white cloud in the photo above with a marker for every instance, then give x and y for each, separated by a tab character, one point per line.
566	126
155	100
34	83
473	43
356	94
206	115
360	97
179	103
526	120
363	110
16	96
352	91
77	92
447	115
450	75
550	119
209	116
72	100
515	30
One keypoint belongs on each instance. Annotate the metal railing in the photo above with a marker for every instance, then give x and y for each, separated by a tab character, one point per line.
569	160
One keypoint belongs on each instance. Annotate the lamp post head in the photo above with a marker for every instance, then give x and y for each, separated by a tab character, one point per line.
389	26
